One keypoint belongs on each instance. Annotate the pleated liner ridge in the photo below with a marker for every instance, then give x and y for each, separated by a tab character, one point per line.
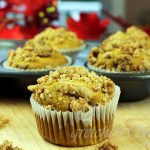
76	128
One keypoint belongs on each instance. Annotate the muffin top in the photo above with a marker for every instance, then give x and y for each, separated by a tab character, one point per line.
123	51
59	38
40	48
72	89
35	56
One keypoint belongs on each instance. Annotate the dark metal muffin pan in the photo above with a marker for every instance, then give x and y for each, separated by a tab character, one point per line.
78	60
133	86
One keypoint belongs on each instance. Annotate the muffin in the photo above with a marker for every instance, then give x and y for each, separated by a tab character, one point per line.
122	52
74	107
63	40
35	56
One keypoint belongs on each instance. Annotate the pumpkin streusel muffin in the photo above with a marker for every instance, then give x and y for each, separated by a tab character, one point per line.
62	39
35	56
122	52
74	107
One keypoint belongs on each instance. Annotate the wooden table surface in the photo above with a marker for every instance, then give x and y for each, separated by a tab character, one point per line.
131	130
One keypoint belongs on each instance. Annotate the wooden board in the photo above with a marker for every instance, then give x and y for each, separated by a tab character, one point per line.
131	129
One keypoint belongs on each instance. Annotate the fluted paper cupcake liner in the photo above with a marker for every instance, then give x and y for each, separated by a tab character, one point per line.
76	128
73	51
76	49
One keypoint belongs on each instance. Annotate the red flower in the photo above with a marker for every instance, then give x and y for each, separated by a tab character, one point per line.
18	32
31	7
36	14
89	27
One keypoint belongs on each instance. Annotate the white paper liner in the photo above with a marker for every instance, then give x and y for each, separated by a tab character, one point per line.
91	67
104	114
5	65
73	50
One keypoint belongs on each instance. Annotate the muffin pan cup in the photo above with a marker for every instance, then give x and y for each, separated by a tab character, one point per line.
5	66
76	128
134	86
73	52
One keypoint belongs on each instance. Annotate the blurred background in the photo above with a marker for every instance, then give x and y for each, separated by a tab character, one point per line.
22	19
91	20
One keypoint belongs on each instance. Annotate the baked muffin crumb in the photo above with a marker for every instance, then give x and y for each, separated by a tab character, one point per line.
3	121
72	89
40	48
81	104
38	57
59	38
123	52
7	145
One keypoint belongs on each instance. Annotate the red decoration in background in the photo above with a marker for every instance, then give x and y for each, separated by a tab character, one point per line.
22	19
146	29
89	27
31	7
18	32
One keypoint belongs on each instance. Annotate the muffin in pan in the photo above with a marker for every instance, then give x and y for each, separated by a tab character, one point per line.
74	107
122	52
36	57
65	41
125	58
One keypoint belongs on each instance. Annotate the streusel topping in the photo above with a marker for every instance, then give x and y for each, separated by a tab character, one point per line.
40	48
35	56
59	38
72	89
123	51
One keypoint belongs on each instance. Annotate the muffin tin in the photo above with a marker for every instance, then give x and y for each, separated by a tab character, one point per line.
133	86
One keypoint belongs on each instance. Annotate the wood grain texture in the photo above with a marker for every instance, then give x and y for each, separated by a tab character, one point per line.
131	130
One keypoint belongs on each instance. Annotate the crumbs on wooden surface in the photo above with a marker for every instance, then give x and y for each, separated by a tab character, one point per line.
108	146
3	121
7	145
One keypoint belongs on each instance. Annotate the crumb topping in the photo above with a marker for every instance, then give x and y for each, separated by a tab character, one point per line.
35	56
109	146
40	48
123	51
7	145
59	38
72	89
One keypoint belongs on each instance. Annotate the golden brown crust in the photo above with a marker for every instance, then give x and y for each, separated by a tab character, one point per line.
35	57
40	48
123	51
70	87
59	38
7	145
81	104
